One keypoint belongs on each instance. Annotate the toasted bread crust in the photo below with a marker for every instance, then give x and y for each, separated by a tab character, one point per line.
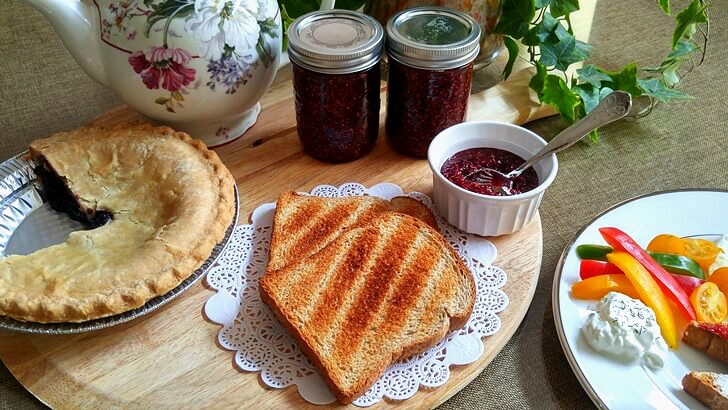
305	347
372	298
703	386
303	224
412	207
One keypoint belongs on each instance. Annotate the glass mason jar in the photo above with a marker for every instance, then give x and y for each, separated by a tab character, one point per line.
336	57
431	52
485	12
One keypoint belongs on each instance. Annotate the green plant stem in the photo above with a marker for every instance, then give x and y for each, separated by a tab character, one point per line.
166	25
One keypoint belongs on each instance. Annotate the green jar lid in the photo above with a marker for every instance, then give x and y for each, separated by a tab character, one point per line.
433	37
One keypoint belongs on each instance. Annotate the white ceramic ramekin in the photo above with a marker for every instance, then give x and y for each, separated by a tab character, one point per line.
480	214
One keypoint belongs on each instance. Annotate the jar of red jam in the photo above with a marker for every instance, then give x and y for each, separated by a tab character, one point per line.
431	52
336	57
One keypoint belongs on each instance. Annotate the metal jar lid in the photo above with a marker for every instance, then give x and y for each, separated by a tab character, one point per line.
335	41
433	37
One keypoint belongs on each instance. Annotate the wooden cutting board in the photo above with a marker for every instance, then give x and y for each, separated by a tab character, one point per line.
170	358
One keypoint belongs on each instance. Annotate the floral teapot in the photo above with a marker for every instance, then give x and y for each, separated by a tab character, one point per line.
200	66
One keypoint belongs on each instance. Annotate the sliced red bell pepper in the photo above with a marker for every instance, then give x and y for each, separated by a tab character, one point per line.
620	241
688	283
590	268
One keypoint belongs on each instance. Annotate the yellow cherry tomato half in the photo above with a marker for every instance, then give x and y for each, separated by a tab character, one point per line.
709	303
666	243
702	251
720	278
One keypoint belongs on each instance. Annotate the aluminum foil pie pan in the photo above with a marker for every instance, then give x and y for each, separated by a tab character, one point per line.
28	223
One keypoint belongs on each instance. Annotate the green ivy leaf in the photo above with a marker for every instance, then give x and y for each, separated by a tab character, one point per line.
593	136
559	53
683	49
693	14
671	76
560	8
516	18
286	20
512	47
659	90
541	32
665	6
582	51
625	79
542	3
589	95
557	94
538	80
591	75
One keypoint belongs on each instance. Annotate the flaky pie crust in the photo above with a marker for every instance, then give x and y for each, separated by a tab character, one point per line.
172	201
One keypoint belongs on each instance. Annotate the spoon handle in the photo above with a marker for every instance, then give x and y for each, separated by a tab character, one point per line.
615	106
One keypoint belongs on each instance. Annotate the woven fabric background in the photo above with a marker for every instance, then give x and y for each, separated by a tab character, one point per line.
680	145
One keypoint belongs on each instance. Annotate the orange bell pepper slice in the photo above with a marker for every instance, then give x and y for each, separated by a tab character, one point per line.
596	287
649	292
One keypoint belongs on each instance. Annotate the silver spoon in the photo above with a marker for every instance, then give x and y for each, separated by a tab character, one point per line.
615	106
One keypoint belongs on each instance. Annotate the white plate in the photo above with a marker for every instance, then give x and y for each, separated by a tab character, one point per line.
610	383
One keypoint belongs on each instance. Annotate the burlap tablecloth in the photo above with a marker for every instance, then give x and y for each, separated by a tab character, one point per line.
680	145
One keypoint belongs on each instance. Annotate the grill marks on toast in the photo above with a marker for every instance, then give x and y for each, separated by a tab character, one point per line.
310	285
415	287
302	213
325	226
375	294
314	223
361	257
381	283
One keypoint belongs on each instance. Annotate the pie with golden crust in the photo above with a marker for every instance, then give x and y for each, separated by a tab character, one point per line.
158	201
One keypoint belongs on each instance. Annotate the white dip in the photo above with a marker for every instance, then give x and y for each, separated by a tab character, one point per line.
625	328
722	259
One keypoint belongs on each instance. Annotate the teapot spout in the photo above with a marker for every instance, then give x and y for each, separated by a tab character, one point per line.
77	24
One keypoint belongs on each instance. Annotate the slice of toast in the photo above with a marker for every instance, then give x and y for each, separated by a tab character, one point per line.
304	224
376	294
712	338
708	388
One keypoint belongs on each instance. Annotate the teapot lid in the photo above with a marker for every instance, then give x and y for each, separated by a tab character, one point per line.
335	41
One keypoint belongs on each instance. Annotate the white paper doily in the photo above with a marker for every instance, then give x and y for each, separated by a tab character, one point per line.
261	344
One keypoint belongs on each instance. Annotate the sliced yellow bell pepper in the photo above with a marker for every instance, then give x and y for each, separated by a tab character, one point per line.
598	286
649	292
